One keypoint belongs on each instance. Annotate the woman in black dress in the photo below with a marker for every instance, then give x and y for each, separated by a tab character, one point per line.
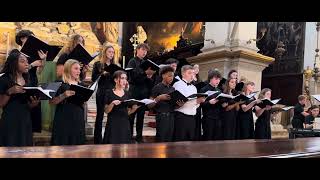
262	125
35	69
245	116
117	129
229	111
64	56
15	122
68	124
105	83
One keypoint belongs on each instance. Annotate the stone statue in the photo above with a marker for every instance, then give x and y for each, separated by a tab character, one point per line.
111	30
141	35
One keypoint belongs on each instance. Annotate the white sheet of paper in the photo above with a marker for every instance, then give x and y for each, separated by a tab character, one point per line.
275	101
316	96
316	124
147	101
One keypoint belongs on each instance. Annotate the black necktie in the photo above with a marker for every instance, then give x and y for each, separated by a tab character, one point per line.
189	84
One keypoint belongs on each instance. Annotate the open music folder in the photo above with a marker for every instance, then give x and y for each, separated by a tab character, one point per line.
82	94
46	93
148	63
112	68
33	45
131	102
269	102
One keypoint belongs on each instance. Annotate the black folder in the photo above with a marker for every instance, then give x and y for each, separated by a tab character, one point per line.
279	109
82	94
198	95
80	54
177	96
242	97
131	102
33	45
113	68
148	63
266	102
43	93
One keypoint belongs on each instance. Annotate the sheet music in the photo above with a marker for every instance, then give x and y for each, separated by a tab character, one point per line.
147	101
275	101
209	93
153	62
287	108
252	94
316	124
226	96
163	65
44	91
94	85
317	97
95	54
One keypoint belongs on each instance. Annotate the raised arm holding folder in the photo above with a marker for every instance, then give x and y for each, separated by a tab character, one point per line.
80	54
33	45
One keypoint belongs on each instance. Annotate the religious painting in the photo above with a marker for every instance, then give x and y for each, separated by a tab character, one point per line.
163	36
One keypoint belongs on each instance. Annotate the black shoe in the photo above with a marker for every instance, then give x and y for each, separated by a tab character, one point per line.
139	140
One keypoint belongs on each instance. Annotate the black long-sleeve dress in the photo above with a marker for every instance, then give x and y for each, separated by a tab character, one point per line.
245	123
229	120
105	83
262	126
117	130
15	122
69	123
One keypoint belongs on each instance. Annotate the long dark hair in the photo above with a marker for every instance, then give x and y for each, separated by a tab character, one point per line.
117	75
11	66
226	87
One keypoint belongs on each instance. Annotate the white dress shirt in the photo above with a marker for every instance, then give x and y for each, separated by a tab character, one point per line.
190	107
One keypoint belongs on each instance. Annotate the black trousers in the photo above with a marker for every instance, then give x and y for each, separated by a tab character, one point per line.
184	127
139	124
297	123
164	127
100	102
198	134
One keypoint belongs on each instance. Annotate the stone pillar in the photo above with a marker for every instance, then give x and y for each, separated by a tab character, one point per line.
229	45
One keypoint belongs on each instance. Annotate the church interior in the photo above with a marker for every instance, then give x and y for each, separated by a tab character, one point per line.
281	56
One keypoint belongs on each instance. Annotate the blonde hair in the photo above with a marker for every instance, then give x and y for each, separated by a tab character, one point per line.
66	77
73	42
263	93
245	86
